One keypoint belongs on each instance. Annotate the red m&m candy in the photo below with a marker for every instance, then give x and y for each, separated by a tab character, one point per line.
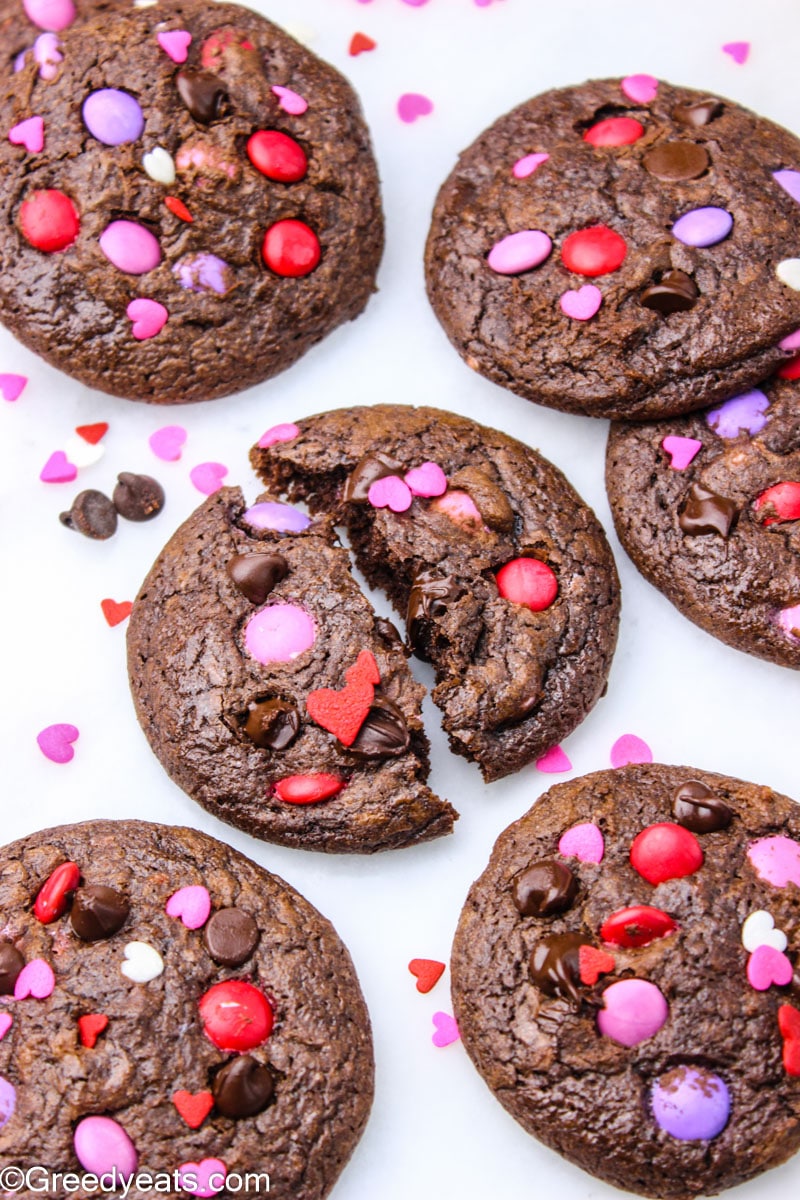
49	220
665	851
51	902
291	249
791	370
784	501
277	156
308	789
528	581
236	1015
597	250
614	131
636	926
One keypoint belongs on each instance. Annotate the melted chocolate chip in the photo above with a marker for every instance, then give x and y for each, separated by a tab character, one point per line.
98	912
489	499
675	292
255	575
242	1088
389	634
675	162
364	474
555	966
231	936
11	963
384	733
707	512
202	93
429	597
92	514
698	114
697	808
272	724
138	497
544	889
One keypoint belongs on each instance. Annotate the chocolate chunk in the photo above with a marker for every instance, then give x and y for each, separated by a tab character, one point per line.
272	724
388	632
98	912
555	966
242	1088
231	936
706	512
365	473
489	499
544	889
92	514
11	963
697	808
676	161
202	93
698	114
430	594
255	575
138	497
675	292
384	733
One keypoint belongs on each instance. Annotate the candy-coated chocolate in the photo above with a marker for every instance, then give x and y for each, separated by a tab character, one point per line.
308	789
102	1145
595	251
49	220
55	893
782	500
633	1011
236	1016
614	131
691	1103
279	633
529	582
665	851
636	926
112	116
277	156
291	249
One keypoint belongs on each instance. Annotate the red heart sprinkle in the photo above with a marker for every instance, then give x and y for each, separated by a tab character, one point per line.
789	1025
90	1027
92	433
178	209
343	713
51	902
592	963
116	613
665	851
193	1107
308	789
636	926
359	43
428	972
364	670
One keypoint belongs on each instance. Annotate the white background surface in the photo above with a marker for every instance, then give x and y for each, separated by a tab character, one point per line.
435	1130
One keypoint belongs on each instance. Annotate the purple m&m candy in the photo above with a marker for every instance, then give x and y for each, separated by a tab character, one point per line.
279	633
703	226
789	181
745	413
8	1101
691	1104
113	117
130	247
280	517
204	273
102	1146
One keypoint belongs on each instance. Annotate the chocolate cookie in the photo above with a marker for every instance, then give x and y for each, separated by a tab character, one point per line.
186	210
708	507
171	1008
621	249
624	977
503	574
271	692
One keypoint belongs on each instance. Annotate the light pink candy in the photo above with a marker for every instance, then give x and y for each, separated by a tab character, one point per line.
789	620
682	451
191	904
36	979
28	133
526	165
641	89
290	101
584	842
52	15
130	247
175	43
427	480
459	507
739	51
791	342
204	1172
58	469
767	966
278	433
554	762
519	252
207	477
581	305
279	633
630	749
633	1011
167	442
390	492
102	1145
776	860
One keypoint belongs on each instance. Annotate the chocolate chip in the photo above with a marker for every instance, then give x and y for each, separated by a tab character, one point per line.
697	808
231	936
384	733
698	114
255	575
555	965
389	634
429	597
544	889
202	93
242	1088
11	963
138	497
675	292
98	912
92	514
272	724
706	512
675	162
489	499
364	474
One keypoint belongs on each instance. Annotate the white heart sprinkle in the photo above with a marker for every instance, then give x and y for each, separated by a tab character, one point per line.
759	930
788	272
159	165
142	962
82	453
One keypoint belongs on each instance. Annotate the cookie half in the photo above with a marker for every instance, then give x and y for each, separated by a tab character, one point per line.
270	690
502	573
621	249
191	203
170	1007
624	977
708	508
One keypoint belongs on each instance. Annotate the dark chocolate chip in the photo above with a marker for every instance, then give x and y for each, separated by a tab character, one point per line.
489	499
11	963
555	965
231	936
544	889
706	512
138	497
202	93
364	474
255	575
675	292
92	514
698	114
429	597
242	1088
697	808
675	162
384	733
389	634
98	912
272	724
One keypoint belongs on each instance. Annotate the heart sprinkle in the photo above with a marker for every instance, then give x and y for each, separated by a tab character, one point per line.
55	742
28	133
767	966
583	304
759	930
390	492
90	1027
592	963
526	165
641	89
360	44
413	105
191	904
115	613
290	101
207	477
630	749
286	432
36	979
193	1107
584	842
738	51
343	713
148	317
12	386
554	762
682	451
167	442
142	962
58	469
446	1031
175	43
428	972
203	1179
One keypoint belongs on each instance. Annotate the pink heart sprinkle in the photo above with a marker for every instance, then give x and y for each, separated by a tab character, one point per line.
682	451
582	304
641	89
58	469
554	762
175	43
525	166
191	904
28	133
36	979
426	480
207	477
55	742
390	492
290	102
739	51
789	620
446	1030
12	386
148	316
630	749
766	966
791	343
278	433
411	3
167	442
412	105
205	1178
776	860
6	1021
584	842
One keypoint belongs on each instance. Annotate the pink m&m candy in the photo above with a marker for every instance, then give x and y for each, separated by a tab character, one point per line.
102	1145
529	582
130	247
52	15
633	1010
279	633
519	252
113	117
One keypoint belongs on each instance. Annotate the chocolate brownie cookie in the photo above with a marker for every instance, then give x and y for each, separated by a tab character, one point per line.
271	692
169	1007
623	249
186	206
503	574
624	977
708	507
